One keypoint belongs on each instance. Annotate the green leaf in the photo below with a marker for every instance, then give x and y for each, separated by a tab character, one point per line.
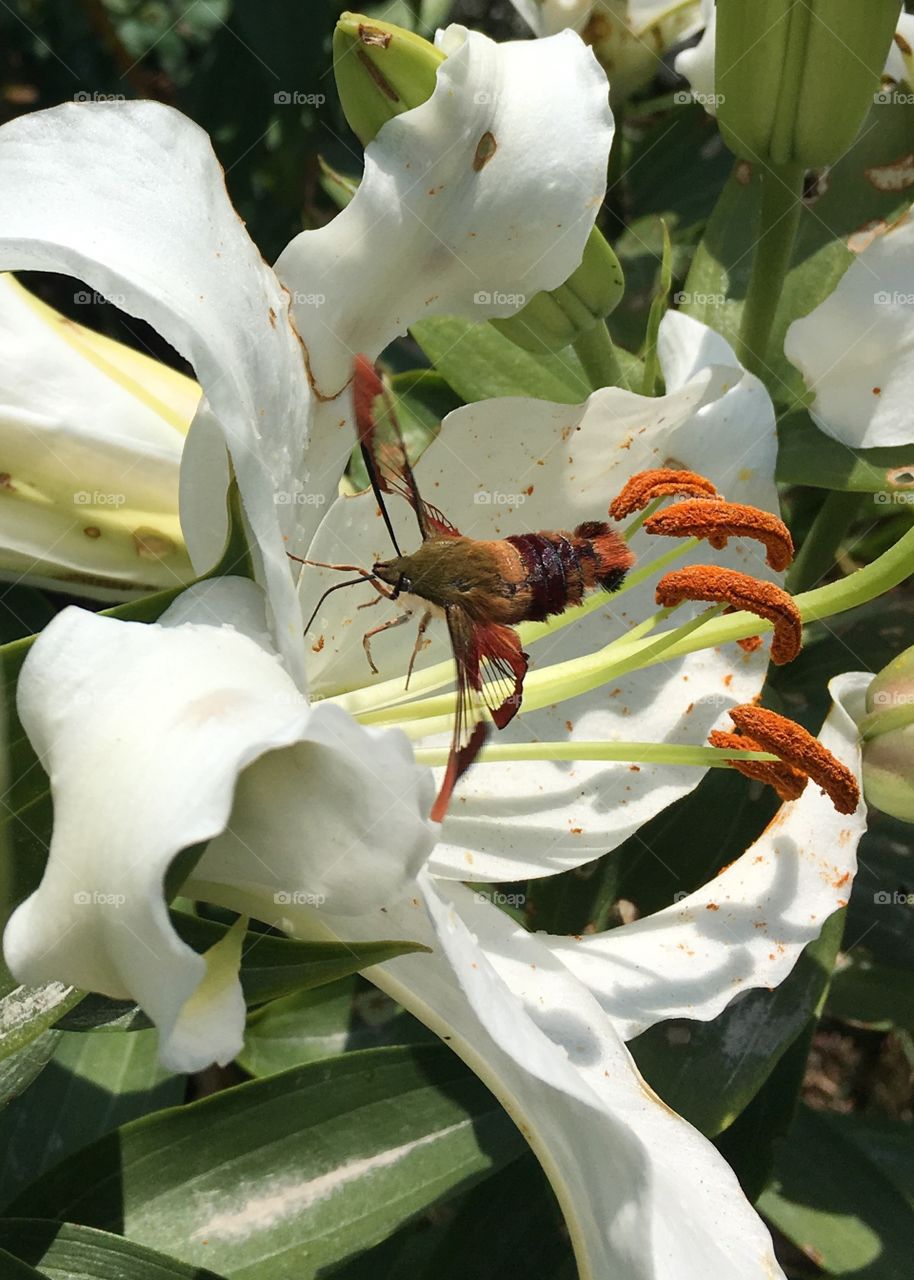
14	1269
324	1160
337	1018
658	309
64	1251
877	994
27	1041
850	198
480	363
843	1194
18	1070
91	1085
807	455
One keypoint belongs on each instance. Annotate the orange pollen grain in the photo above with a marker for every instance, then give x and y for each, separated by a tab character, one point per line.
717	521
792	743
787	781
709	582
665	482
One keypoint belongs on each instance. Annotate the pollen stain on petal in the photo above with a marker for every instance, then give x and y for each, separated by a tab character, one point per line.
152	545
485	150
92	531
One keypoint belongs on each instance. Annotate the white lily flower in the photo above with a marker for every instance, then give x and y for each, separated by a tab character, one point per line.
91	435
195	730
697	63
854	349
300	805
628	36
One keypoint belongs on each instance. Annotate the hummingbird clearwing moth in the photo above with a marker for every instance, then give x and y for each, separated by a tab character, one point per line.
482	588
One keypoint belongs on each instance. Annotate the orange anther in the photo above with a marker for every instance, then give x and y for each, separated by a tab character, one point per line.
708	582
787	781
665	482
792	744
717	521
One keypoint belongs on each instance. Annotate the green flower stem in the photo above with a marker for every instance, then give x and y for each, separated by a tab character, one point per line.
597	353
553	684
391	693
636	752
779	219
820	548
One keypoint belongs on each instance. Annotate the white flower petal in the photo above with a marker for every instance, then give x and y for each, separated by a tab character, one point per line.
130	198
856	349
697	63
745	928
644	1195
546	17
441	221
90	438
564	464
155	737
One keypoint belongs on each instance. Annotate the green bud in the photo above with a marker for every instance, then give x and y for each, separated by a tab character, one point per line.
888	739
552	319
380	71
796	78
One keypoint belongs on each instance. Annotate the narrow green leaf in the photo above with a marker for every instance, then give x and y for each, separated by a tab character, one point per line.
323	1161
92	1085
807	455
837	1196
64	1251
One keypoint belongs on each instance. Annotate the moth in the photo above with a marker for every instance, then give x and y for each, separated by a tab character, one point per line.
482	588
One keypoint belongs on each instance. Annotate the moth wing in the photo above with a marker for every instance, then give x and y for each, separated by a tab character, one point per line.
491	667
386	457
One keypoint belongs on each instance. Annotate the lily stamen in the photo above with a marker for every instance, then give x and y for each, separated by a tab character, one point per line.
719	521
791	743
765	599
788	782
665	482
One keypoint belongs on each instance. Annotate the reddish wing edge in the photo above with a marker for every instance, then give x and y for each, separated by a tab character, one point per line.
387	460
491	667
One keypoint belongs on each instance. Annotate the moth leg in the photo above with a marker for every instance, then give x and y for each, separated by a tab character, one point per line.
385	626
423	627
369	604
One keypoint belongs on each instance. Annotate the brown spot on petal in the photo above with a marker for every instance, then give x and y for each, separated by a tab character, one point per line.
6	482
92	531
901	477
318	644
373	35
485	150
864	236
152	545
